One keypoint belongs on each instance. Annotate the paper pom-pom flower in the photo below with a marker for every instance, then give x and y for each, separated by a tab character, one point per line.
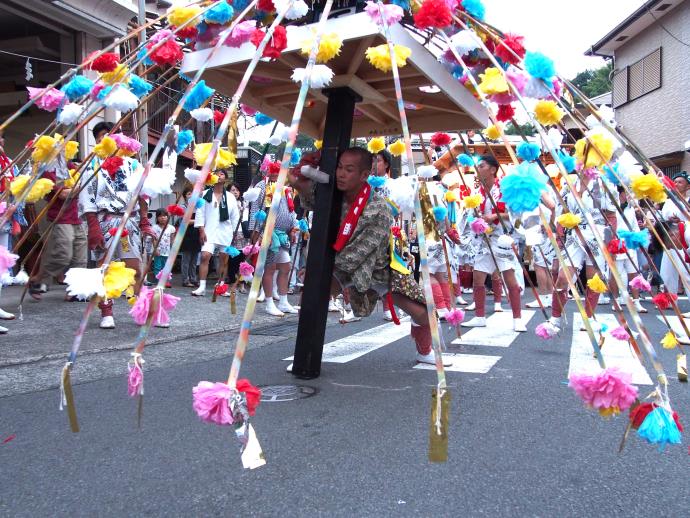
479	226
39	189
84	283
522	189
376	182
181	15
392	13
241	34
547	113
175	210
48	99
664	300
505	112
640	283
539	66
376	145
112	164
635	240
224	158
43	146
619	333
221	13
433	14
493	132
246	269
184	139
139	86
610	391
261	216
126	143
77	87
121	99
297	10
321	75
596	284
427	171
167	53
141	307
7	260
212	402
70	113
106	62
465	42
451	196
455	316
472	201
198	96
466	160
106	147
118	75
380	58
599	150
232	251
569	220
117	279
528	151
493	82
262	119
276	44
474	8
546	331
648	186
397	148
440	139
669	341
250	250
440	213
202	114
512	42
568	161
660	427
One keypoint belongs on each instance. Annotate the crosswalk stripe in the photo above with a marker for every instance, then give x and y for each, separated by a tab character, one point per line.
352	347
617	353
470	363
676	327
497	333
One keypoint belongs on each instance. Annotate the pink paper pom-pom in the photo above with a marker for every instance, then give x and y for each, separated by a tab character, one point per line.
3	207
640	283
455	316
7	260
160	274
96	89
51	99
126	143
479	226
140	309
162	35
391	13
135	379
246	269
517	78
212	402
620	333
610	389
241	34
248	110
592	173
546	330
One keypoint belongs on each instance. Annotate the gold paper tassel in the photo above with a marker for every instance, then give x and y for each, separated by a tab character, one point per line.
67	398
438	427
430	230
682	367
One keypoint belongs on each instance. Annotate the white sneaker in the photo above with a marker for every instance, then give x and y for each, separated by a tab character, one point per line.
460	301
442	313
640	308
604	300
163	326
271	308
349	316
686	315
3	330
43	288
288	368
545	300
519	325
387	316
286	307
431	359
276	296
261	297
107	323
498	308
475	322
556	322
199	292
471	307
5	315
467	290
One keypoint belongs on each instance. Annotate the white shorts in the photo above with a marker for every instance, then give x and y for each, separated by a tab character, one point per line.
485	263
626	267
542	252
211	248
576	257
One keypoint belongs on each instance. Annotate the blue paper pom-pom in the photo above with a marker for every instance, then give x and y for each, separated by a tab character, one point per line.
184	77
262	119
568	161
440	213
139	87
376	181
523	187
614	174
635	240
232	251
405	4
260	216
220	13
466	160
528	151
143	56
539	66
200	203
295	157
104	93
303	225
240	5
77	87
475	8
660	428
184	138
200	92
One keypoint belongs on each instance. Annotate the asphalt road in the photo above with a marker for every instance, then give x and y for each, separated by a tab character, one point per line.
521	443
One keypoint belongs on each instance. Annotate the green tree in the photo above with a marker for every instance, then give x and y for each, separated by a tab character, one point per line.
526	129
594	82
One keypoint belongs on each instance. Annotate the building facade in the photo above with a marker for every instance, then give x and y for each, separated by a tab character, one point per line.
651	84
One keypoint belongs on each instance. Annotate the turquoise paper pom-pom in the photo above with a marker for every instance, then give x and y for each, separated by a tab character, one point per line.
303	225
568	161
139	87
528	151
184	138
200	92
522	188
260	216
440	213
221	13
232	251
466	160
475	8
539	66
295	157
376	181
660	428
77	87
635	240
262	119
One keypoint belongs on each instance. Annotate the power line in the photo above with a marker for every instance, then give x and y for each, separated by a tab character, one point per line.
23	56
665	29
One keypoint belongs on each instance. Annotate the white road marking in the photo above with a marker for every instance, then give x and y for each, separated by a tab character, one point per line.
497	333
352	347
675	324
616	353
471	363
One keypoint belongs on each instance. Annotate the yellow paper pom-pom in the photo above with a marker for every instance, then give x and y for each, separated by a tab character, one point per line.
116	76
548	113
596	284
71	149
212	179
73	179
131	301
599	150
380	58
493	132
669	341
648	186
376	145
224	158
117	279
493	82
39	189
318	144
472	201
179	15
609	411
397	148
42	148
329	47
19	184
451	196
105	147
569	220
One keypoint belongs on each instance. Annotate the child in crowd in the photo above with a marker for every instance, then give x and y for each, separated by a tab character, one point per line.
164	234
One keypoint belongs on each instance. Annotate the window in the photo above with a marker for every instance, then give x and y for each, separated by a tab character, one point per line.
638	79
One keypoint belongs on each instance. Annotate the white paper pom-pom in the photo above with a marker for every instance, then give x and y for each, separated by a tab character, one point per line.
465	42
298	10
321	75
202	114
427	171
192	175
252	194
121	99
402	192
536	89
158	182
70	113
84	283
555	138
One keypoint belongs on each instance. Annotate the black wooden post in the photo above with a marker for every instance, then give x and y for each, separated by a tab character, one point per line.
326	221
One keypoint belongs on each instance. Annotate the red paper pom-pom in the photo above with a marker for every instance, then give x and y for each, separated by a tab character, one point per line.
669	184
440	139
113	231
266	5
640	412
169	53
186	32
112	164
175	210
453	234
663	300
274	168
433	13
505	112
276	44
221	289
395	230
514	43
106	62
616	246
252	393
218	116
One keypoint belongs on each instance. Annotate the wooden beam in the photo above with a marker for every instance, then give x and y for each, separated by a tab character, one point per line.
358	55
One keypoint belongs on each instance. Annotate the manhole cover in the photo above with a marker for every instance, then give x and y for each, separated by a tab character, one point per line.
286	392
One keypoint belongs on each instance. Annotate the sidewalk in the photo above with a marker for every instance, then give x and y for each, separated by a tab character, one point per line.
47	329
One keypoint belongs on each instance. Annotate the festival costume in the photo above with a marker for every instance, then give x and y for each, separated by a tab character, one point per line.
218	216
286	220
